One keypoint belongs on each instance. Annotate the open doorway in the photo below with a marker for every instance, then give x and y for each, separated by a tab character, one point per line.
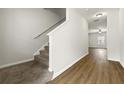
97	34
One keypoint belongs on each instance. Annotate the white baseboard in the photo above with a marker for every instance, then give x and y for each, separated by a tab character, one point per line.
122	64
64	69
50	70
112	59
37	52
119	61
16	63
24	61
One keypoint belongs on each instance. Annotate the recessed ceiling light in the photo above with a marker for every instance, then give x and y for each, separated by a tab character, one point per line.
99	15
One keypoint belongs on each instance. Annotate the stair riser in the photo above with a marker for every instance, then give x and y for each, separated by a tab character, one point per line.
40	61
43	64
44	54
46	48
43	58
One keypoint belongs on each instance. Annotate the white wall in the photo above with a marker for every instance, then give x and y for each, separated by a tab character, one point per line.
17	30
68	43
102	23
121	20
94	27
93	42
113	36
61	12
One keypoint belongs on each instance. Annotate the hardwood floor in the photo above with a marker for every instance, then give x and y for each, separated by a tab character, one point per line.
92	69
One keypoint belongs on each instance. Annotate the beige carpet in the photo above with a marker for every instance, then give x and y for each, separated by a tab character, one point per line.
26	73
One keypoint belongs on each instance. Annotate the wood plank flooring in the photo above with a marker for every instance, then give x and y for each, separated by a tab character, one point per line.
93	69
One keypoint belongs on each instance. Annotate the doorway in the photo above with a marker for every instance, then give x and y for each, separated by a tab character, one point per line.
98	33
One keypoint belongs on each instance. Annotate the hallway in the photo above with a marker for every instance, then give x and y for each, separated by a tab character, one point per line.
92	69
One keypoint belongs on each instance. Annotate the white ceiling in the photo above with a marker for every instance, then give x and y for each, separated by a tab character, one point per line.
101	24
90	15
93	21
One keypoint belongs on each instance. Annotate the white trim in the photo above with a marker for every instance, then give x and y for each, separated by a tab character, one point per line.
64	69
112	59
38	51
50	70
58	27
122	64
67	14
24	61
16	63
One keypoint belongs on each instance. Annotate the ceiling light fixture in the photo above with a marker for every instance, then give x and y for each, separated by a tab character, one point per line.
99	15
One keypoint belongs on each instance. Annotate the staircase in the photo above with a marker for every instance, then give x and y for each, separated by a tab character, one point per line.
43	60
34	72
41	74
43	57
